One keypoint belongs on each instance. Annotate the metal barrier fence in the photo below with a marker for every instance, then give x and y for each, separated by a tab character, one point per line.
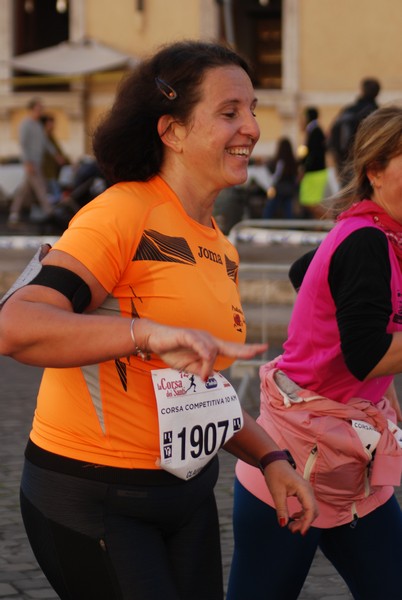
260	318
289	231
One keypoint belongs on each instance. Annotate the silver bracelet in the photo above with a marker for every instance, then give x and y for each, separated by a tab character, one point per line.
143	354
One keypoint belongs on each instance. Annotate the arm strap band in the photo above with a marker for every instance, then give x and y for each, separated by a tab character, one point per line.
68	283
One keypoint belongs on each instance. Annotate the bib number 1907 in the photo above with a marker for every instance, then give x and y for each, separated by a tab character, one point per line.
203	439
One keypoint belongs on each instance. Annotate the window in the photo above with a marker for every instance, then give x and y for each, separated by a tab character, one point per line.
257	32
39	24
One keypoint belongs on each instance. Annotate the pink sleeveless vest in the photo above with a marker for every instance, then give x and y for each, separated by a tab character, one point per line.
318	431
312	355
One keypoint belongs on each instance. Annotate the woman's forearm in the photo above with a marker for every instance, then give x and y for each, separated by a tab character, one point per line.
43	335
49	334
251	443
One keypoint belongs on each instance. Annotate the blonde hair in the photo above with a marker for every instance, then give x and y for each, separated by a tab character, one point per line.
378	139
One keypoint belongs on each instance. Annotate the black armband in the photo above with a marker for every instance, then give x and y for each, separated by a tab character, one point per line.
68	283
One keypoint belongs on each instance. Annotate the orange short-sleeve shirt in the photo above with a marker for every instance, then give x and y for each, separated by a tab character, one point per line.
155	262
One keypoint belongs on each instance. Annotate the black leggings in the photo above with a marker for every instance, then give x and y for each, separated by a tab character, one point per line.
102	541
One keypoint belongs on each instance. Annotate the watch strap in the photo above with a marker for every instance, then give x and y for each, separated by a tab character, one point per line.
271	457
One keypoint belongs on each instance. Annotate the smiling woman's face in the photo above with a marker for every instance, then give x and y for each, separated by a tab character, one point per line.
223	131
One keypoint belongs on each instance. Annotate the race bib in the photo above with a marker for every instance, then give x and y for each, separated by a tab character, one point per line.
196	418
370	437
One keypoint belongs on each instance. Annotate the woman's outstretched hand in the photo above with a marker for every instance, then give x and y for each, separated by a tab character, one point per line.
190	350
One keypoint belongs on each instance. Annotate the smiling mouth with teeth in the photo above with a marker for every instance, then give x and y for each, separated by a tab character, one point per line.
239	151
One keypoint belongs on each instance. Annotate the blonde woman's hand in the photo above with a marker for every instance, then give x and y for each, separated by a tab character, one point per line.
283	481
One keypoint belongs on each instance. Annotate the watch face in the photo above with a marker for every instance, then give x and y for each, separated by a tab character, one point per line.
290	458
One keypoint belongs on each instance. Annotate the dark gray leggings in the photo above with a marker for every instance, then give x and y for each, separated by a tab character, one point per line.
102	541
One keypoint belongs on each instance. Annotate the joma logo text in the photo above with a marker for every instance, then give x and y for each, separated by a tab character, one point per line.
205	253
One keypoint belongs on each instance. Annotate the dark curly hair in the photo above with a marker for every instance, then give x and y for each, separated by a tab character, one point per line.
126	144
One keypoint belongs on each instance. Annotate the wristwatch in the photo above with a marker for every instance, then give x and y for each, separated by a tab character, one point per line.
267	459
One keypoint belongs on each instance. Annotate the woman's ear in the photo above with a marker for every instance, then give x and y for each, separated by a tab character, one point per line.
170	132
374	176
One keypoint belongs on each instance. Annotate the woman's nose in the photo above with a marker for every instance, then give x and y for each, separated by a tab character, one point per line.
250	127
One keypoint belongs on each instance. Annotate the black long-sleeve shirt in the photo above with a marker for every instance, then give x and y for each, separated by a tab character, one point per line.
360	283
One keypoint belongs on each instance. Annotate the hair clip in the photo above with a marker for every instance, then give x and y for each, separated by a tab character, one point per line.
166	89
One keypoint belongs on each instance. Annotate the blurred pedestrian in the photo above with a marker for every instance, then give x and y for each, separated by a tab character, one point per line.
51	162
283	189
313	171
34	143
87	182
343	130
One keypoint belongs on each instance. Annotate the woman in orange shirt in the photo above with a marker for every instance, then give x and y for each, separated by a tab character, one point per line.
137	295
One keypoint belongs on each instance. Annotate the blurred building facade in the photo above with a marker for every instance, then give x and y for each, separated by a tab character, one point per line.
304	53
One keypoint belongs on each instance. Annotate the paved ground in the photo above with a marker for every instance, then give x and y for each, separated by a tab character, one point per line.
20	577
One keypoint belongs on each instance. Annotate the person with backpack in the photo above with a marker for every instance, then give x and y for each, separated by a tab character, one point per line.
344	128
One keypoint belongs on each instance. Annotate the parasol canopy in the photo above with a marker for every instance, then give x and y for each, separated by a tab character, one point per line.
72	58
